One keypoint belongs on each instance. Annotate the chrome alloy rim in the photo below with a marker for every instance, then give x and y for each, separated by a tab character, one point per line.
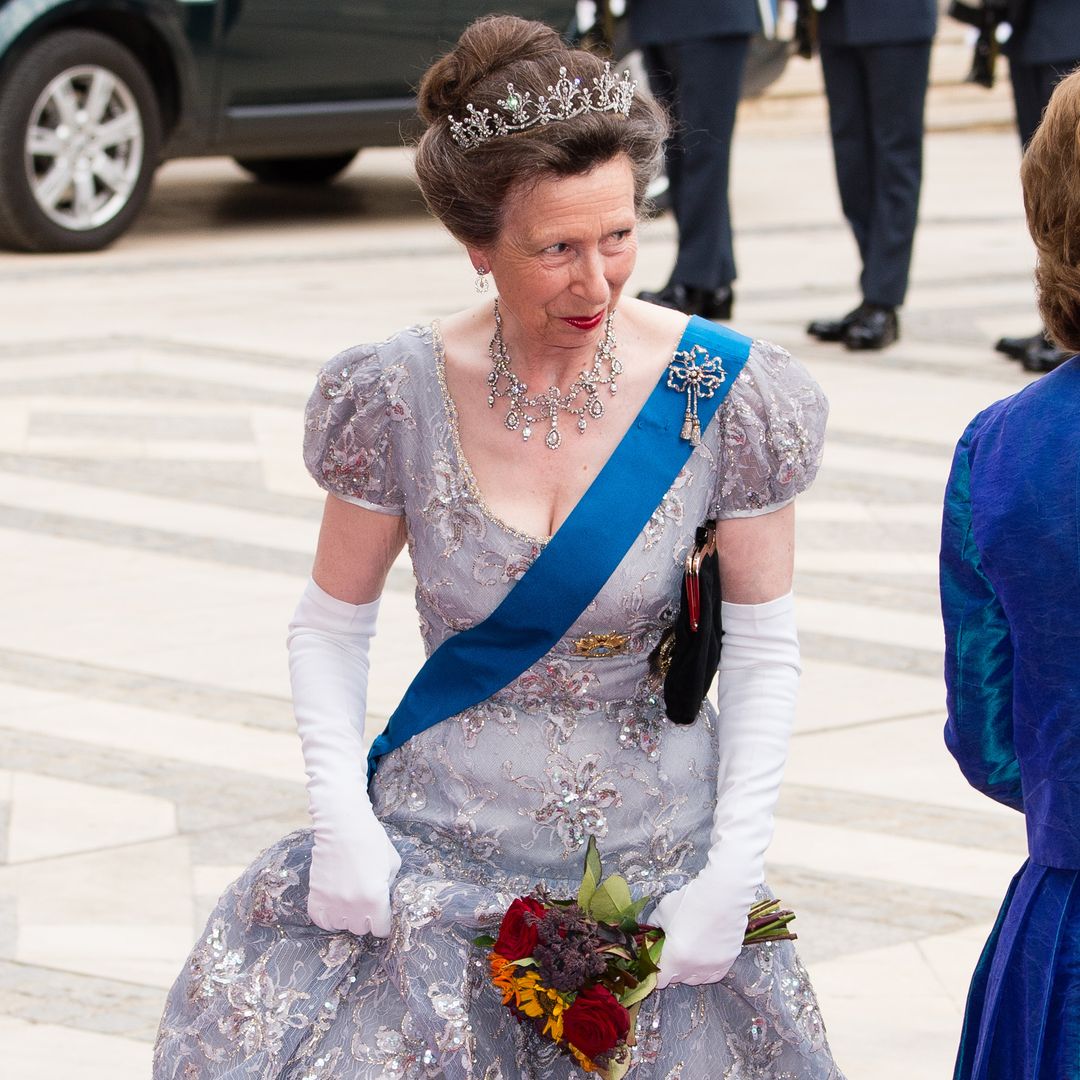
84	147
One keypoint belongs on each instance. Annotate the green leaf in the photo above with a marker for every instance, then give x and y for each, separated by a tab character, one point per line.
655	948
591	877
484	941
602	907
645	964
641	991
525	961
610	900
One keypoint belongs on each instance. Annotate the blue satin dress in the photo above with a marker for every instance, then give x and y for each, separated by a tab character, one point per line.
1010	595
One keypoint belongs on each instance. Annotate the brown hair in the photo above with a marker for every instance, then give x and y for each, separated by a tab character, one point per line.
1050	175
466	189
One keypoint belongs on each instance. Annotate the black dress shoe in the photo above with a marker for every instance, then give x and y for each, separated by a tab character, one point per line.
708	303
875	328
1015	347
1041	357
834	329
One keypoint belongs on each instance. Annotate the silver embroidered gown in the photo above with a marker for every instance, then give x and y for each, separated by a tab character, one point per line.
489	803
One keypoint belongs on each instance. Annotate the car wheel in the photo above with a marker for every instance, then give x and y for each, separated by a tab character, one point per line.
80	135
297	170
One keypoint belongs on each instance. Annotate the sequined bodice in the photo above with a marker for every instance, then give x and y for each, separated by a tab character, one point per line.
579	743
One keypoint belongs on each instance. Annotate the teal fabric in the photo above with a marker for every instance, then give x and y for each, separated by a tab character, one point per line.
979	652
575	563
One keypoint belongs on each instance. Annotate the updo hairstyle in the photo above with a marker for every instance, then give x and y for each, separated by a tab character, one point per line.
467	189
1050	175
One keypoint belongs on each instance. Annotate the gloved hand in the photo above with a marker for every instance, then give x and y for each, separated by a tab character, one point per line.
353	862
705	921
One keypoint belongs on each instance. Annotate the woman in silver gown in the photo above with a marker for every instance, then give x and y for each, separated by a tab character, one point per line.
345	951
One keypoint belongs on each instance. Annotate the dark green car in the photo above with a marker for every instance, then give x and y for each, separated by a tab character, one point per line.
95	93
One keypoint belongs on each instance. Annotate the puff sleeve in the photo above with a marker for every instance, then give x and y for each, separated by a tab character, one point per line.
348	432
771	434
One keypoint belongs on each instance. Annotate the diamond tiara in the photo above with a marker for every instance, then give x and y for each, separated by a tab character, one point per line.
566	99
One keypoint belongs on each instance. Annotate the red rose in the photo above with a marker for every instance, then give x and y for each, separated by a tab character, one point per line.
596	1023
517	934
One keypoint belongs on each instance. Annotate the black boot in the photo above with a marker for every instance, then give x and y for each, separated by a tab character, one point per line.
834	329
1016	347
875	328
1042	357
708	303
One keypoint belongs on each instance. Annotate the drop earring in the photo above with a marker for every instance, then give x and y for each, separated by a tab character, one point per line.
481	284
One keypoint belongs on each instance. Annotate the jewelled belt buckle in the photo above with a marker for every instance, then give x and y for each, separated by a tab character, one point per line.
601	646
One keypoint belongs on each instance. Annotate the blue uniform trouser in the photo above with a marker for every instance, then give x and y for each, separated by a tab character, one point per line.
699	82
1032	86
876	97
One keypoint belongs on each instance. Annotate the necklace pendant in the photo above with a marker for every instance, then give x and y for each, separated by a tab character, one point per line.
522	410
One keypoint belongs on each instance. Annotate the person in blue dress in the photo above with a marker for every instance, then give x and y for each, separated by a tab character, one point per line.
1010	594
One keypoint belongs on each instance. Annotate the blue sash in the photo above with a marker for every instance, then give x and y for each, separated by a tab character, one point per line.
578	560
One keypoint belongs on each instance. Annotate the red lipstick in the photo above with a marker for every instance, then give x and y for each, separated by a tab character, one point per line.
590	323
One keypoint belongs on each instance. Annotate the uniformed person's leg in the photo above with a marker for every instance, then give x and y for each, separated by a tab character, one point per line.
700	81
849	125
1028	84
898	75
661	65
1032	86
708	103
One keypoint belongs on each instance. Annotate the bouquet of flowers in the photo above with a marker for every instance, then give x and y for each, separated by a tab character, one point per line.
578	970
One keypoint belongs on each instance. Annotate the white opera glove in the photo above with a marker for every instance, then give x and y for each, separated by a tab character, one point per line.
705	921
353	862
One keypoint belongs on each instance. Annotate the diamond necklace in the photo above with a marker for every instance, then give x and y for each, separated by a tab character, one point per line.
524	411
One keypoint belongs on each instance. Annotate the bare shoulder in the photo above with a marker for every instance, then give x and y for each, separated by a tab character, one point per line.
654	330
466	334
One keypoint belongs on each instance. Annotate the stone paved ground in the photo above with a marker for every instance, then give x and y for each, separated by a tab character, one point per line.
156	525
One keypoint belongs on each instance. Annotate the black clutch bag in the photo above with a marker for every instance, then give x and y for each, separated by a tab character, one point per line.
688	653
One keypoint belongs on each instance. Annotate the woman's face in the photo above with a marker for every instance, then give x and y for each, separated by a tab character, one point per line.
566	248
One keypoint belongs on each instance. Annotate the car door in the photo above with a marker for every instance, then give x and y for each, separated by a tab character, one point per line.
459	13
314	76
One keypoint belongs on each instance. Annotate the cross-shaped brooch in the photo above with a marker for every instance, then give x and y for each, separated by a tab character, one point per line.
698	375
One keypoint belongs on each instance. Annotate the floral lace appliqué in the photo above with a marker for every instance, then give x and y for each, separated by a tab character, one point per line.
574	798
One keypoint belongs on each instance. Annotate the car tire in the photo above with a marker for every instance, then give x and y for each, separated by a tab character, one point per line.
298	170
87	105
